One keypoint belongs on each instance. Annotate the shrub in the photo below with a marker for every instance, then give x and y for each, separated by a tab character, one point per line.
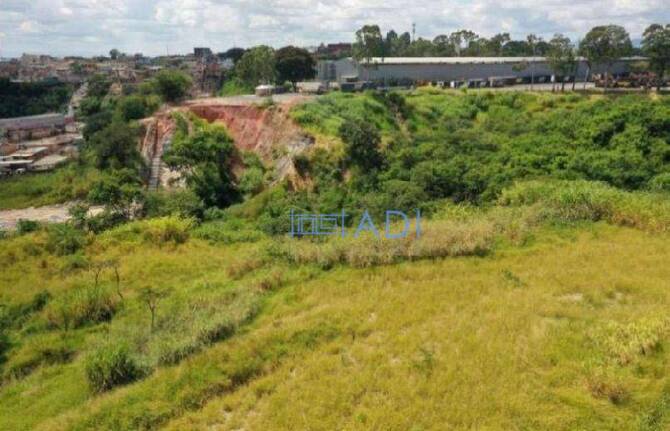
227	232
83	306
602	386
16	315
594	201
39	350
252	182
75	262
181	203
167	229
64	239
5	345
660	182
111	366
26	226
625	343
439	239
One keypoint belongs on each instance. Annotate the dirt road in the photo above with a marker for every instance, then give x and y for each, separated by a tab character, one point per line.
46	214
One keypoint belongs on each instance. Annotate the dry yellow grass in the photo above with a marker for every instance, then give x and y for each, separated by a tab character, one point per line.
493	343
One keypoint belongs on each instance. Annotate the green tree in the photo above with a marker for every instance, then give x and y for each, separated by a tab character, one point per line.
98	86
362	144
114	54
656	46
172	85
496	44
234	54
151	296
119	191
461	40
442	46
561	57
368	43
257	66
532	41
115	147
294	64
132	108
604	45
204	156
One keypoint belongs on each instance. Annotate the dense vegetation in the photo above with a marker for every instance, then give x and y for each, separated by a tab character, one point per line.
534	299
28	98
166	323
468	147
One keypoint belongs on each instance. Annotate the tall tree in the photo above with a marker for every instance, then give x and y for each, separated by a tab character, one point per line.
234	54
257	66
656	46
294	64
368	43
114	54
532	41
442	46
115	147
461	40
604	45
204	153
495	45
171	85
561	57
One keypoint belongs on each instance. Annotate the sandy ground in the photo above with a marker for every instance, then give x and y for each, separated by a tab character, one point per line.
45	214
250	99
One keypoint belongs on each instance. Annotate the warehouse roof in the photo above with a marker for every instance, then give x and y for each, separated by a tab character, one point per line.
468	60
32	122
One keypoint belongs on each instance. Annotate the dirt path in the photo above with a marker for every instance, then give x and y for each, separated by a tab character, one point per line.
45	214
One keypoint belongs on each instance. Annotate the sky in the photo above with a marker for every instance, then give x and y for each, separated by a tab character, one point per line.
156	27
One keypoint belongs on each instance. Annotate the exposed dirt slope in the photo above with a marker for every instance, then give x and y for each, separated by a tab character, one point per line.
269	132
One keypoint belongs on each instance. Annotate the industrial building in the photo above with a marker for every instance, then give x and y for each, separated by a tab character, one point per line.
34	127
454	69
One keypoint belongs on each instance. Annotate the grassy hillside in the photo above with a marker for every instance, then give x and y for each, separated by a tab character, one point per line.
532	314
535	298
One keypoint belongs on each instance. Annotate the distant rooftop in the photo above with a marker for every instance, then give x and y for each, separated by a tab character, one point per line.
32	122
469	60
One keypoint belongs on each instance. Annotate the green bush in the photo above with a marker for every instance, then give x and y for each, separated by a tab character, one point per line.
14	316
593	201
83	306
26	226
167	230
111	366
64	239
181	203
48	349
228	232
660	182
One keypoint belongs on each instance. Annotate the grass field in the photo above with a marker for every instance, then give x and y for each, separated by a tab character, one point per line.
38	189
536	297
555	325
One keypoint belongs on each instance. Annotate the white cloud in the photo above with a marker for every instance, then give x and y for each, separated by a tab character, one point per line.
29	26
95	26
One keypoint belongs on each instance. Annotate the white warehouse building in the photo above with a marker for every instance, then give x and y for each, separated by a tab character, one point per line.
448	69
